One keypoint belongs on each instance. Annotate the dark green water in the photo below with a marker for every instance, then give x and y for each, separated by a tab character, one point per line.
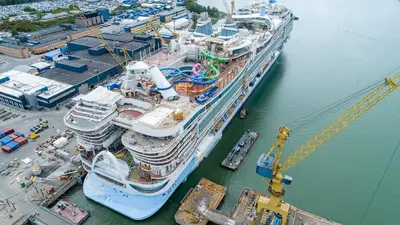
337	48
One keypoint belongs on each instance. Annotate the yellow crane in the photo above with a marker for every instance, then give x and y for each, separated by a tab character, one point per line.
173	33
151	25
103	42
269	167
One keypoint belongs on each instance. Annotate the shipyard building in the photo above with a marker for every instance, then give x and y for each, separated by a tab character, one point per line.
140	27
43	40
24	90
87	64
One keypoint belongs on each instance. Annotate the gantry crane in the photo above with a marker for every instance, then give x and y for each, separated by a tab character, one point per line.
102	41
269	167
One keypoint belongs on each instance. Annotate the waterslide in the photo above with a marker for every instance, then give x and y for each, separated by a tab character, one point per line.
196	77
195	68
164	87
212	66
194	80
208	56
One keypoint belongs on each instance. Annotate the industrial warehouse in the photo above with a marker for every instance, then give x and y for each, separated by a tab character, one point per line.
43	41
87	64
165	17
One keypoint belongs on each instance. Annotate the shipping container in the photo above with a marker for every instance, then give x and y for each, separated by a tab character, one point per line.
19	134
21	141
7	149
13	145
13	136
8	130
2	134
5	140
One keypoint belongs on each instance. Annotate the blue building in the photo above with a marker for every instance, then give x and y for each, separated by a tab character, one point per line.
105	12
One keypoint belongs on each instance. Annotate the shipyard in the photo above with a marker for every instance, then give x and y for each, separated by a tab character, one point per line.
198	112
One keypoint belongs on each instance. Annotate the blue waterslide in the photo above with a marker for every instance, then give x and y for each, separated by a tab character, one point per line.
277	222
195	79
178	72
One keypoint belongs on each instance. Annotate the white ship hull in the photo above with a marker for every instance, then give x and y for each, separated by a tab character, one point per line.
139	206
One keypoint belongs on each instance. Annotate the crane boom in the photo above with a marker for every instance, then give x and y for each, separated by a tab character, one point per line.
101	39
343	121
150	23
268	165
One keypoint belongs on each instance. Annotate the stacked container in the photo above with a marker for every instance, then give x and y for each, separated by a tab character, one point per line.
13	145
2	134
13	141
8	130
19	134
13	136
5	148
5	140
21	141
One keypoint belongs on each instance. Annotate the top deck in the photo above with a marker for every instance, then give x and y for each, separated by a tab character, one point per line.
93	109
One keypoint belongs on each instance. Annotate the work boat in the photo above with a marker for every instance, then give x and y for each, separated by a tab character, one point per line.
142	139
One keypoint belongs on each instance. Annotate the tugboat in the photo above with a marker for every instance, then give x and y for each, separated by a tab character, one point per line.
244	113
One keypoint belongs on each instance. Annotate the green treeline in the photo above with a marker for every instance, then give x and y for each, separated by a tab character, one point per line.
28	26
194	7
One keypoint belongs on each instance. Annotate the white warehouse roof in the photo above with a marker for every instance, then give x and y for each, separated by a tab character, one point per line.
21	82
41	65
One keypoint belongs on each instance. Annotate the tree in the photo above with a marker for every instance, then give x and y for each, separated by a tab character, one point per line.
28	9
194	18
194	7
14	31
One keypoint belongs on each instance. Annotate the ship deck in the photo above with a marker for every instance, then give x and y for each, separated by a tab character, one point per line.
70	213
235	157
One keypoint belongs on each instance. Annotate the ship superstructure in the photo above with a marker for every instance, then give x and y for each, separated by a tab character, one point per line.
172	109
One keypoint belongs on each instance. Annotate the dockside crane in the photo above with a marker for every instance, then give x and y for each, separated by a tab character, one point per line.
268	164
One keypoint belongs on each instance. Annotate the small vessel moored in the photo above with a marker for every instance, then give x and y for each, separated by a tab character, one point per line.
69	212
244	113
240	150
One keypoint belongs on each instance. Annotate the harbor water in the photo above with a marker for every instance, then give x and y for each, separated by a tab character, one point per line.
336	48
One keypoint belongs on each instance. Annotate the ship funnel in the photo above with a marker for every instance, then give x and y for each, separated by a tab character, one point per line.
262	10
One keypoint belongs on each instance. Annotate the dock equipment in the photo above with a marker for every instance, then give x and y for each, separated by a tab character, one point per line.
200	204
269	167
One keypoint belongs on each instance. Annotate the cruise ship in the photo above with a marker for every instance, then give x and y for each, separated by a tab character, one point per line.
140	141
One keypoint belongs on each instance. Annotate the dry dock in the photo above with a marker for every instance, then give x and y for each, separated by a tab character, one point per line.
240	150
195	210
245	211
206	195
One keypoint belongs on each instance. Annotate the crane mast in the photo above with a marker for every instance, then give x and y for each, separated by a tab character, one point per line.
268	165
101	39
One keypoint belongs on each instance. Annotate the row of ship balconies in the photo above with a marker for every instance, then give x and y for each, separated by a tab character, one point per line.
185	144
